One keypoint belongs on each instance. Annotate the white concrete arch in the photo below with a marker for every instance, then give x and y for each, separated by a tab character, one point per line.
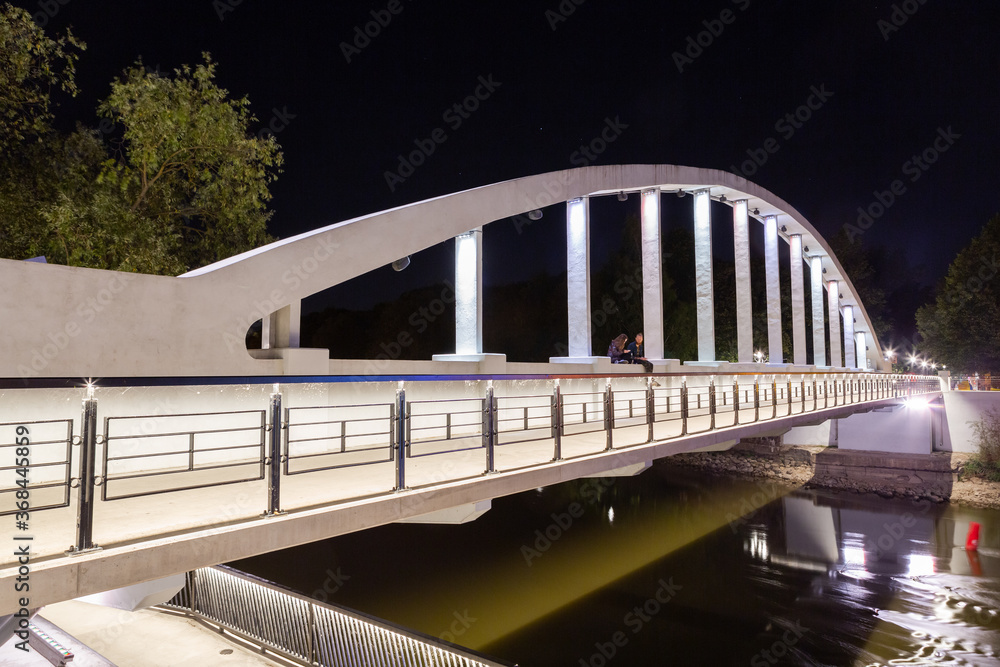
73	322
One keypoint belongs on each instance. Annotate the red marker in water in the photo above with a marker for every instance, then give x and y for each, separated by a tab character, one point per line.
972	539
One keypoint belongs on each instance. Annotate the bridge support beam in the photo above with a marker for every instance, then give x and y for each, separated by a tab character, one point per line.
798	300
744	302
282	328
704	289
578	276
652	279
469	292
850	360
773	284
819	324
834	307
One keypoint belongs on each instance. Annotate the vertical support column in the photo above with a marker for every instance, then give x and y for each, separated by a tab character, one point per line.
861	350
819	323
652	279
578	276
744	307
704	289
736	402
274	456
469	292
88	462
834	308
798	300
773	283
282	328
849	357
711	404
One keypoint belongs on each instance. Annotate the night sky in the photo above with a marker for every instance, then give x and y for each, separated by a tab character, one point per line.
703	84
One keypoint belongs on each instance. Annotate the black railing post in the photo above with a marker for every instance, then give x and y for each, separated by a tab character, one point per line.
274	456
650	409
489	430
88	462
557	422
789	394
609	415
736	402
756	400
401	433
684	407
711	404
774	397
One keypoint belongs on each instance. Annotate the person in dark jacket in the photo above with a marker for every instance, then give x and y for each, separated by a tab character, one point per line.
617	351
638	351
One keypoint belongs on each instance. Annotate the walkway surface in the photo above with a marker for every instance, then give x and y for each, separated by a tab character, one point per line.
101	636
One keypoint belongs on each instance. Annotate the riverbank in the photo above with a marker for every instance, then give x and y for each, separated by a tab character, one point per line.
937	477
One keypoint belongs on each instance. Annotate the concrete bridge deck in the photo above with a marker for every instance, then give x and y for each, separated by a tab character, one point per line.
152	536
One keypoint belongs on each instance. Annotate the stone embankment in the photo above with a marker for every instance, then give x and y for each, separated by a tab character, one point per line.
936	477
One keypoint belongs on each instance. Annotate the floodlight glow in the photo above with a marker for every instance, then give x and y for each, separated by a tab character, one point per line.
854	556
466	294
90	389
919	565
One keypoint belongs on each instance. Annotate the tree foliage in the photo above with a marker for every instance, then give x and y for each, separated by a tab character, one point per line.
961	327
179	183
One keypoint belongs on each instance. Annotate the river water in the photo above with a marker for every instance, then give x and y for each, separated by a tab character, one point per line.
670	568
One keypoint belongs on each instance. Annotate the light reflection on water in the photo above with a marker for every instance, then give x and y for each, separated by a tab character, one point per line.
666	569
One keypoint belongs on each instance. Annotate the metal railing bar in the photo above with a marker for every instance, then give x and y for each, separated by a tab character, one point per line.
170	434
186	450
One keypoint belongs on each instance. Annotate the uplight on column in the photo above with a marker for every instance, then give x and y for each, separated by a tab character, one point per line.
468	293
744	300
652	279
850	360
773	285
578	276
834	308
704	288
819	326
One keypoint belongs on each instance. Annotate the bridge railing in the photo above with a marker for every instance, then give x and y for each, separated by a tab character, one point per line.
307	632
317	451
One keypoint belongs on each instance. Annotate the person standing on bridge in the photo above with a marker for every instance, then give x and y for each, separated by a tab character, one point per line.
638	351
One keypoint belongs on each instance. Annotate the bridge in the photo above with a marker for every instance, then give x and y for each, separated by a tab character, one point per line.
191	450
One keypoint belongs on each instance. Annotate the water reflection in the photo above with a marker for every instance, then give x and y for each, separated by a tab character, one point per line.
665	568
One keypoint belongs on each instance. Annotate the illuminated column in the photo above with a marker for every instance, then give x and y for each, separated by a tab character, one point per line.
469	292
862	349
773	284
744	307
578	276
652	280
849	358
819	325
704	293
798	300
834	309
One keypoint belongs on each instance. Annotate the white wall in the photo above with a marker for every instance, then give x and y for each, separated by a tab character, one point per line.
961	408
